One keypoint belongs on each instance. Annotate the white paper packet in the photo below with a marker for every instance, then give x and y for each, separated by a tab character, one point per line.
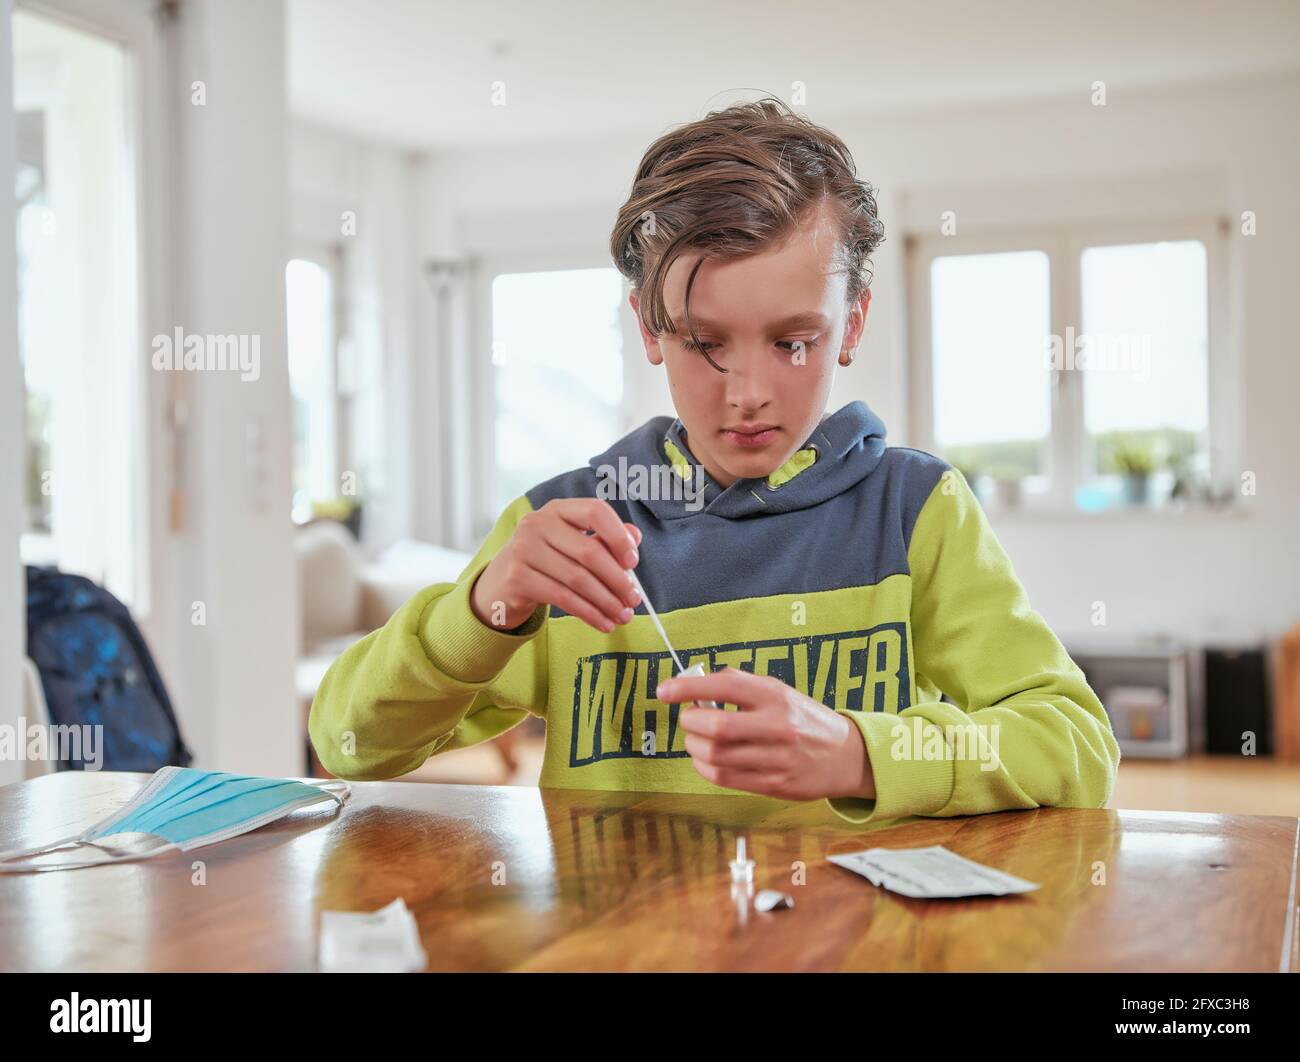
930	873
383	941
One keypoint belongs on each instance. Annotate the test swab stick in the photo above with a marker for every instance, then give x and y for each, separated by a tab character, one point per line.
645	600
698	669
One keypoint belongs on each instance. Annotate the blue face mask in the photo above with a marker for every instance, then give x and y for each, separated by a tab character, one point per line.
180	808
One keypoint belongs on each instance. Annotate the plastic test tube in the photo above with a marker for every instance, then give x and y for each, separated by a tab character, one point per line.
698	671
742	867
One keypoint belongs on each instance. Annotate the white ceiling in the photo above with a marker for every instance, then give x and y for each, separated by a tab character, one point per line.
419	73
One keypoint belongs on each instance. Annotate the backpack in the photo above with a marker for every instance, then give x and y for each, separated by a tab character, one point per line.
96	670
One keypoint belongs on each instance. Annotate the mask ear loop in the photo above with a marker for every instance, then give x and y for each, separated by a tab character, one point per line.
9	866
340	790
27	853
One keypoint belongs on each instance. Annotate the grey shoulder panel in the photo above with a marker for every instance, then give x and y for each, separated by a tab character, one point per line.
579	483
916	474
857	538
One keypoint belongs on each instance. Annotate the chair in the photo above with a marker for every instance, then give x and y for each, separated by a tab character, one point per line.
36	713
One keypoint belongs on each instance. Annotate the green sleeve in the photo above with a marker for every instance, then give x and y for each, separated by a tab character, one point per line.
976	638
432	678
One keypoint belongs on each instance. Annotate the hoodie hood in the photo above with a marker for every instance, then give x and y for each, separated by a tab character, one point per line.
654	465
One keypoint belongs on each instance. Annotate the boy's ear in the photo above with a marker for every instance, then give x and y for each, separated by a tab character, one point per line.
652	352
857	320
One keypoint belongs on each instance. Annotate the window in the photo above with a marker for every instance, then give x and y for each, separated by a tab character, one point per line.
1146	395
992	397
558	365
1068	368
79	312
309	293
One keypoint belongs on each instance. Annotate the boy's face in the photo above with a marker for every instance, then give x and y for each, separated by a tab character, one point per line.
779	322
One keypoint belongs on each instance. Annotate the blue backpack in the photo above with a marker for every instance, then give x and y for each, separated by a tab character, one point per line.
96	670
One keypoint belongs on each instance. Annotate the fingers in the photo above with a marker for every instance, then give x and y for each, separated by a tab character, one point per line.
730	686
730	760
736	778
588	554
539	586
575	555
747	691
585	584
593	514
723	727
742	756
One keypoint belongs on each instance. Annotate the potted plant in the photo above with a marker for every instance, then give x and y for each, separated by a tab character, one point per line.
1135	461
346	511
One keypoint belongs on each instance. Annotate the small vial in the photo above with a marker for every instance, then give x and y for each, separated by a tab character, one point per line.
698	672
742	868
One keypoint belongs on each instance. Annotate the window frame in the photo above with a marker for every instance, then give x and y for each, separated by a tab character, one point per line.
483	271
1068	459
331	258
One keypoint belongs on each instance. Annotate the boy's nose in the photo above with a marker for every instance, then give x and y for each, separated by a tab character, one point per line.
750	383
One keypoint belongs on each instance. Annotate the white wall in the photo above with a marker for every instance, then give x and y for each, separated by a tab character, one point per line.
232	678
217	235
1197	575
12	432
1208	575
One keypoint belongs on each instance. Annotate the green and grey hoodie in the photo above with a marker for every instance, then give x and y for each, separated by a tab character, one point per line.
863	575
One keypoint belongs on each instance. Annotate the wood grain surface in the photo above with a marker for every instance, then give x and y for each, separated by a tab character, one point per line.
514	878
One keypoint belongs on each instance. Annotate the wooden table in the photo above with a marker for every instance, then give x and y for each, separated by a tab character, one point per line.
626	881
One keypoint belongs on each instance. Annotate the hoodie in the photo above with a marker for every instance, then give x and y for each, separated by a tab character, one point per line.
865	576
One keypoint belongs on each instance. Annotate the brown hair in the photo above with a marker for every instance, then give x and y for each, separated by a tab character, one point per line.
730	184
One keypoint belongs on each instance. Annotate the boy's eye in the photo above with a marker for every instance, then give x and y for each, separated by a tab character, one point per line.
699	348
790	346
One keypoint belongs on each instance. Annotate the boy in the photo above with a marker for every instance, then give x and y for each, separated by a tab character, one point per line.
831	587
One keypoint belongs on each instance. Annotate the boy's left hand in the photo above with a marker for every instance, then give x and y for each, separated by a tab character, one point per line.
780	743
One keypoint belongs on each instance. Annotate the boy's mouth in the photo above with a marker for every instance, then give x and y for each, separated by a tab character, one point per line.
750	436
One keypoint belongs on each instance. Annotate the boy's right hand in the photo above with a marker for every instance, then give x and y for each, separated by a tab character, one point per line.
573	553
